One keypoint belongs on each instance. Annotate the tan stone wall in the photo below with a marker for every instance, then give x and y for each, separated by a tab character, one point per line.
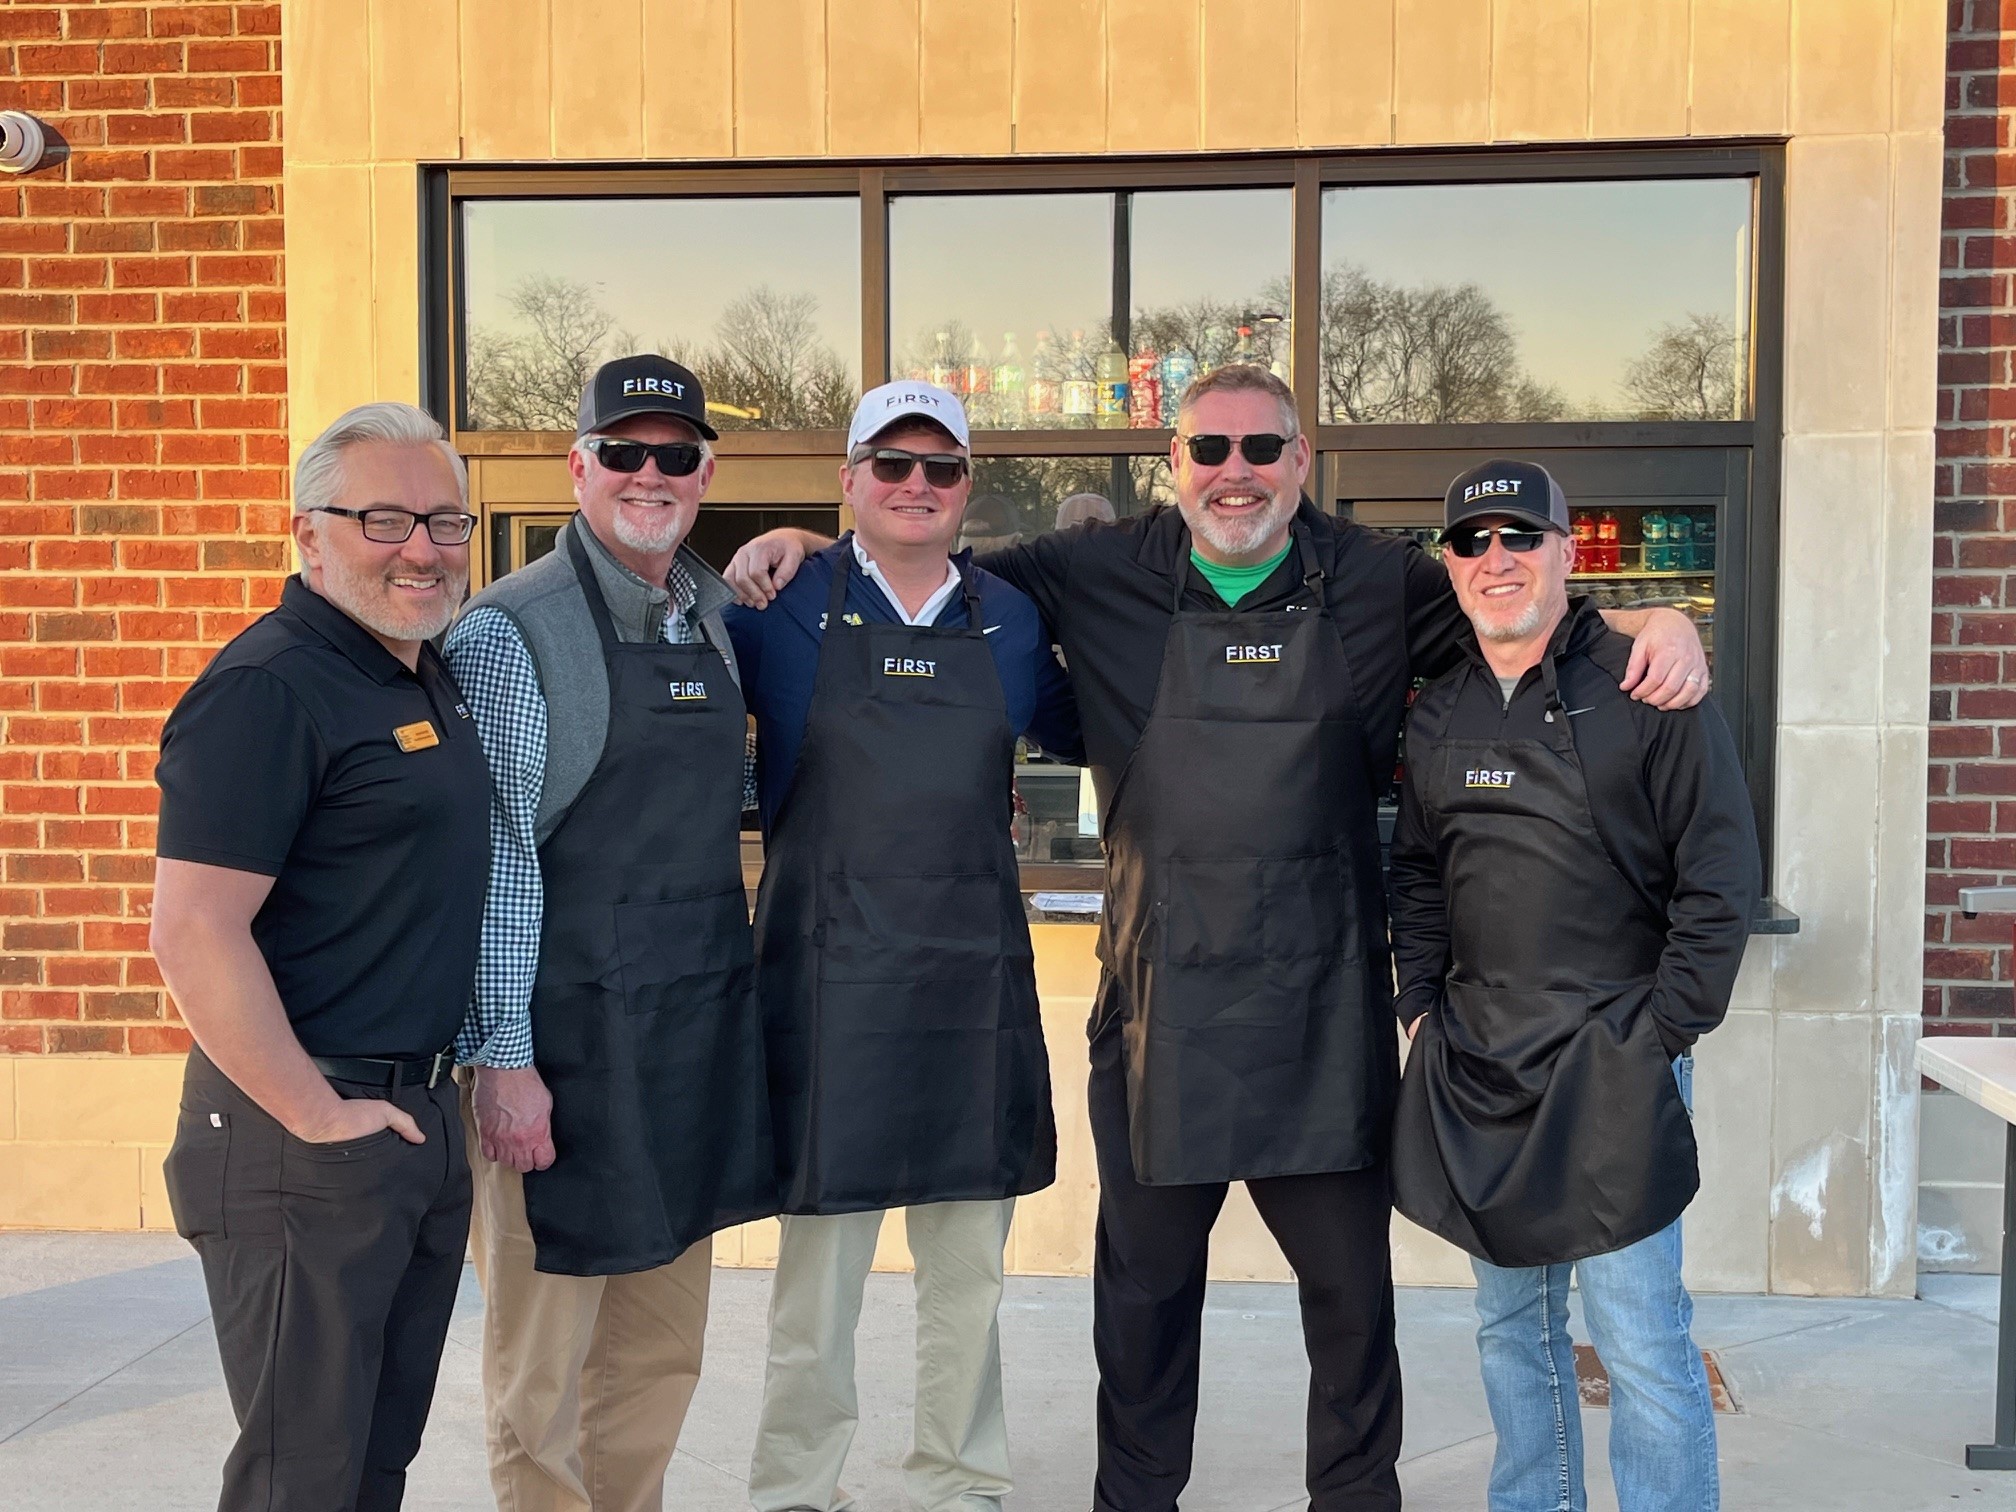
1807	1104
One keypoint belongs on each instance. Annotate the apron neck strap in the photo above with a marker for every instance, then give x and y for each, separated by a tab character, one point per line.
591	590
836	594
970	592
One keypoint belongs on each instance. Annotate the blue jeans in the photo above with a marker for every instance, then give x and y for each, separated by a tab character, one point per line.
1662	1424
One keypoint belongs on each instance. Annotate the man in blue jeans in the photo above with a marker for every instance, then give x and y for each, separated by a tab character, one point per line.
1573	875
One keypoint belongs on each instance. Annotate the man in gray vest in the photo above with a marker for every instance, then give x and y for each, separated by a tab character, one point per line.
616	1095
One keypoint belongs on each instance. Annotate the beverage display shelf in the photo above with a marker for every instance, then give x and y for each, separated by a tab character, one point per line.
1626	577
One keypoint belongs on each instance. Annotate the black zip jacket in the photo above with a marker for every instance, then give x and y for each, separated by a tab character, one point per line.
1669	800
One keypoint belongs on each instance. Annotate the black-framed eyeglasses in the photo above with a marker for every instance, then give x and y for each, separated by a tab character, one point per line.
1212	450
675	459
1475	540
891	464
390	527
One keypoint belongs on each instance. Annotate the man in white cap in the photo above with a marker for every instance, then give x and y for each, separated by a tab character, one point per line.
907	1067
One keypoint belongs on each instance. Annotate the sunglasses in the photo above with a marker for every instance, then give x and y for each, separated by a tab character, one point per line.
392	527
675	459
1210	451
893	465
1475	540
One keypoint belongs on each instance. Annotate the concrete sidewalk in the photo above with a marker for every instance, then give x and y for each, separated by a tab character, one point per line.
110	1396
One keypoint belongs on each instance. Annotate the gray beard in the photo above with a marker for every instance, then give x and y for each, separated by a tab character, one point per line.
363	597
645	539
1238	537
1518	629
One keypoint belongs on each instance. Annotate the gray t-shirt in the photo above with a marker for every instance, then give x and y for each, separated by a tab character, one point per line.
1507	685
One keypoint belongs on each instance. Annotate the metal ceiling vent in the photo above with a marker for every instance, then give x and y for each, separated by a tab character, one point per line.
24	142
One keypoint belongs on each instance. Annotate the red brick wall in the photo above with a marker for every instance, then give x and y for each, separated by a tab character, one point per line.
143	458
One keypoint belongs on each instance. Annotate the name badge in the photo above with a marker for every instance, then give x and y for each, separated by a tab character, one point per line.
689	692
416	737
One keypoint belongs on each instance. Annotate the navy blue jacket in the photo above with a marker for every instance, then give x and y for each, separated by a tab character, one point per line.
778	651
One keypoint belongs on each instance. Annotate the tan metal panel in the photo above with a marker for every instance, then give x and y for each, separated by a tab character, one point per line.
1841	66
1539	70
325	70
1738	69
689	110
966	59
1344	75
1154	95
1060	76
598	79
507	64
872	105
1638	68
1442	70
780	78
1249	79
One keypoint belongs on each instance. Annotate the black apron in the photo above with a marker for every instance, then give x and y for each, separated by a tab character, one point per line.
645	1024
1539	1121
899	987
1244	923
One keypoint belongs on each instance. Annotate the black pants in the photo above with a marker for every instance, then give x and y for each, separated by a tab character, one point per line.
332	1272
1148	1312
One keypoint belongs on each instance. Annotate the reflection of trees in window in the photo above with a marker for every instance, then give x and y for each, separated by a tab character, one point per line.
1693	370
1036	486
764	369
1434	354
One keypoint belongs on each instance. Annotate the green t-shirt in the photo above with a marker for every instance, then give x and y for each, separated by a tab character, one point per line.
1234	583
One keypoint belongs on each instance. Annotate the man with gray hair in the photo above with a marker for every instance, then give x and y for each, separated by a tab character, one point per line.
318	894
618	1108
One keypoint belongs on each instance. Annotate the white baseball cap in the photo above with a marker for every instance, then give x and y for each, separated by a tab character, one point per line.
882	407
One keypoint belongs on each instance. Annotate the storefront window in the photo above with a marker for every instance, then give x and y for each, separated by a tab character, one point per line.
1006	300
1015	498
1210	286
1457	303
759	297
1202	279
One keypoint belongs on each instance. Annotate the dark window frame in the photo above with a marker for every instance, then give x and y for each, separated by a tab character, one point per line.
1306	175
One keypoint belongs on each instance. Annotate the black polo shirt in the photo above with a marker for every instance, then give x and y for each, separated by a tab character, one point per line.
1104	590
306	752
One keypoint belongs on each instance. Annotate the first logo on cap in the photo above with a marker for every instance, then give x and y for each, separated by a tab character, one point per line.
655	386
1491	486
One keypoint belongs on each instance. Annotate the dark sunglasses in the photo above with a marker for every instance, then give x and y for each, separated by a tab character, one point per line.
391	527
893	465
1475	540
675	459
1210	451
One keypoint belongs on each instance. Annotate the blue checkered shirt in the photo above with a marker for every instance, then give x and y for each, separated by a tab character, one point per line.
494	670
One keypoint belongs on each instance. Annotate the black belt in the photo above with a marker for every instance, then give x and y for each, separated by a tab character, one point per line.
387	1073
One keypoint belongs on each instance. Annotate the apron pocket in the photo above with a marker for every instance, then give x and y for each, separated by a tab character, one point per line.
194	1173
941	926
684	952
1252	940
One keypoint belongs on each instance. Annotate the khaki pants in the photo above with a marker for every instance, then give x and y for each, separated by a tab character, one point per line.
959	1457
586	1379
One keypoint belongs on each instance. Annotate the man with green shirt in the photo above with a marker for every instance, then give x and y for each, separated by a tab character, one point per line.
1241	664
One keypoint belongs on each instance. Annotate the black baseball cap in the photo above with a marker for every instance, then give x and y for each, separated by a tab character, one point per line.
1522	490
646	384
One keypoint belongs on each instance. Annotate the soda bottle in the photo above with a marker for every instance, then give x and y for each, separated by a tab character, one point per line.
1011	387
1582	525
1704	541
1178	369
1652	530
1679	542
1111	395
1081	400
976	384
1144	392
942	372
1043	395
1608	554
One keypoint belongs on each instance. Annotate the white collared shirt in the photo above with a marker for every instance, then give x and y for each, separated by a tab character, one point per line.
927	615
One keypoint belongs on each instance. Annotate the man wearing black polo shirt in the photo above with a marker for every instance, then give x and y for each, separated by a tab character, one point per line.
1240	665
318	893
